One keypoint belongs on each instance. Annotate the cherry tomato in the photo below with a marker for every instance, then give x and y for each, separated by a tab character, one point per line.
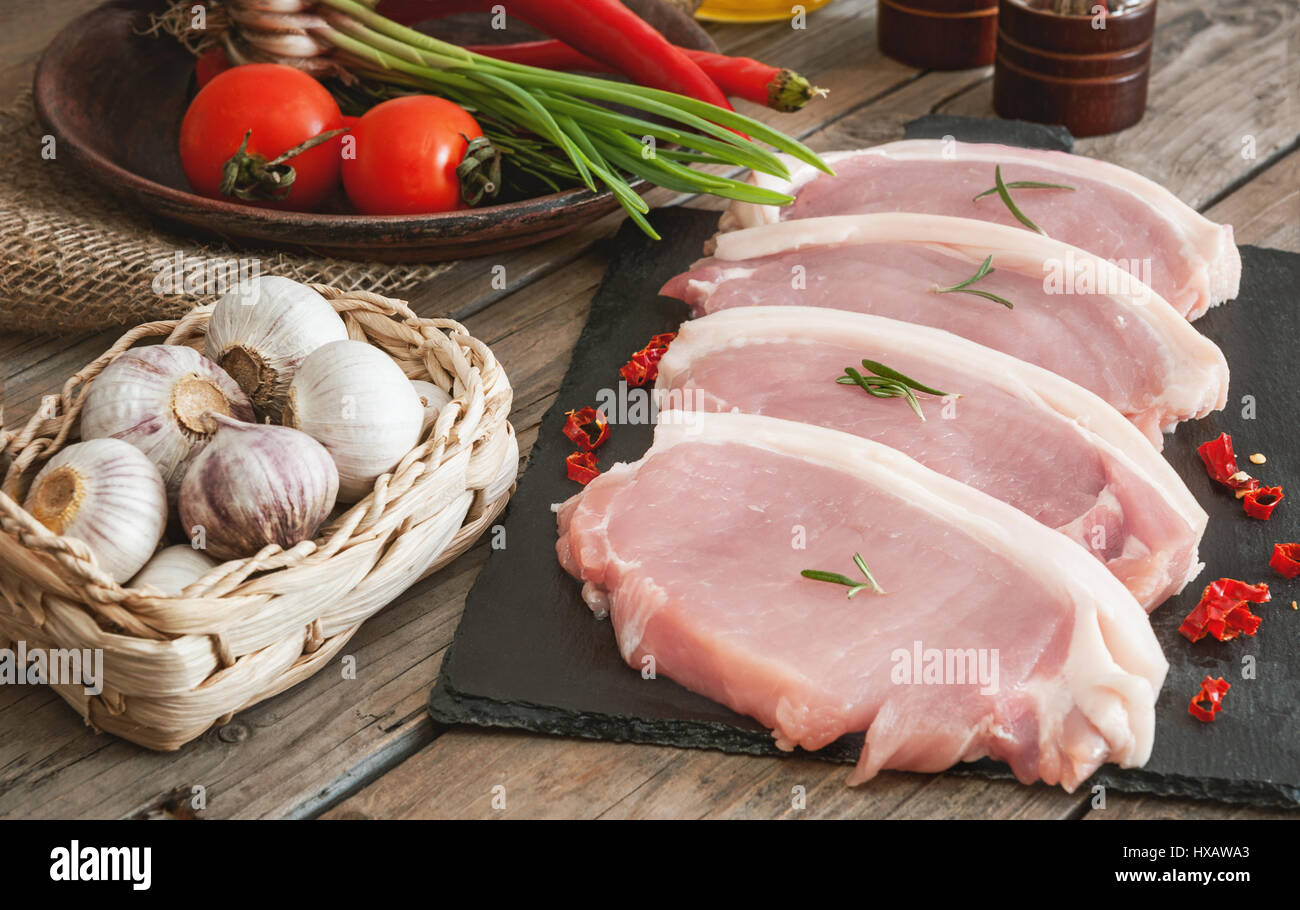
279	108
405	156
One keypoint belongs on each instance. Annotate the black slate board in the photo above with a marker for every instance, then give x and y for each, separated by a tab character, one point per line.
529	655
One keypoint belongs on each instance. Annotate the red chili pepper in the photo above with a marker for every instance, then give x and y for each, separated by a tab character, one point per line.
1223	611
1285	560
604	30
1261	501
576	428
1212	692
581	467
741	77
1221	463
644	365
211	63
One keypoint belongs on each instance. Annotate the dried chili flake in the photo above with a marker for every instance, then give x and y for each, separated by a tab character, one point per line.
587	427
1285	560
581	467
1224	611
1261	501
1221	463
643	366
1212	692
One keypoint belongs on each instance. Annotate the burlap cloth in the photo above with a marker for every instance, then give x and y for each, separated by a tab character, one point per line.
73	257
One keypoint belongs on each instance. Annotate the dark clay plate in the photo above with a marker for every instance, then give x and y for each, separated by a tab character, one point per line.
114	98
528	653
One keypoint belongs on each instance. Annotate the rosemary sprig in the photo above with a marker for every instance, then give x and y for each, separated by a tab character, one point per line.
986	268
836	578
887	383
1004	192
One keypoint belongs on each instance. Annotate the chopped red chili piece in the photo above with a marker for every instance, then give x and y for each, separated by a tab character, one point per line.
1261	501
643	366
576	428
1221	463
1223	611
1212	692
581	467
1285	560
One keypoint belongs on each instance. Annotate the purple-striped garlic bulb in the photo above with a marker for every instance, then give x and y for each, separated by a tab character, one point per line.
158	399
256	484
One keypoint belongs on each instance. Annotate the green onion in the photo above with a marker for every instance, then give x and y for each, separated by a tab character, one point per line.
599	145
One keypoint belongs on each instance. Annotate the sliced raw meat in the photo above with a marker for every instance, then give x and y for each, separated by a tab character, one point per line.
1074	314
696	552
1112	212
1026	436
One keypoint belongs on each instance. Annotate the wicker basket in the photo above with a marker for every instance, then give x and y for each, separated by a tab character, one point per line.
251	628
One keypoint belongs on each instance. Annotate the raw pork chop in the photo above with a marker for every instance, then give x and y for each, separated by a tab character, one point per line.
695	551
1019	433
1120	341
1112	212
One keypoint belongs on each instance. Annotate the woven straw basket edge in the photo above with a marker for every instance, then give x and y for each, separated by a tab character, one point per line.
252	628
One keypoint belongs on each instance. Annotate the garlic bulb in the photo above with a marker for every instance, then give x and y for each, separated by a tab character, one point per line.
353	399
432	399
106	494
255	485
259	334
173	569
156	398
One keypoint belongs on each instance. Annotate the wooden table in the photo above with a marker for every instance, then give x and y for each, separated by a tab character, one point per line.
1222	85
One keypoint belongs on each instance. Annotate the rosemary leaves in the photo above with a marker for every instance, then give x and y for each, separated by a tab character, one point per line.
965	287
1004	193
886	382
836	578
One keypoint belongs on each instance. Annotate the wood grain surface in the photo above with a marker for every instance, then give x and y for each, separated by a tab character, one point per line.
365	747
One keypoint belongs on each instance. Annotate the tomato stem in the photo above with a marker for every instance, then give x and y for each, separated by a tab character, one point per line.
250	177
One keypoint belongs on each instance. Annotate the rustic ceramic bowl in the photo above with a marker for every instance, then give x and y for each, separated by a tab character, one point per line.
114	97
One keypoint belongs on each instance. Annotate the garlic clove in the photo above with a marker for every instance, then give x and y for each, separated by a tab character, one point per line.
157	398
355	400
107	494
173	569
256	484
433	399
261	332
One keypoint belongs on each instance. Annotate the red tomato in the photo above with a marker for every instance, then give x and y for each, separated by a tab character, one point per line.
405	156
283	107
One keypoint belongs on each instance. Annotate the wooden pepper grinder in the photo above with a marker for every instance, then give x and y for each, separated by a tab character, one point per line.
1074	62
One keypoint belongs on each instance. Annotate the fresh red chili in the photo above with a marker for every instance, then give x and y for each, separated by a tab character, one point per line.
740	77
1212	692
1285	560
1261	501
587	427
581	467
604	30
1224	611
1221	463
